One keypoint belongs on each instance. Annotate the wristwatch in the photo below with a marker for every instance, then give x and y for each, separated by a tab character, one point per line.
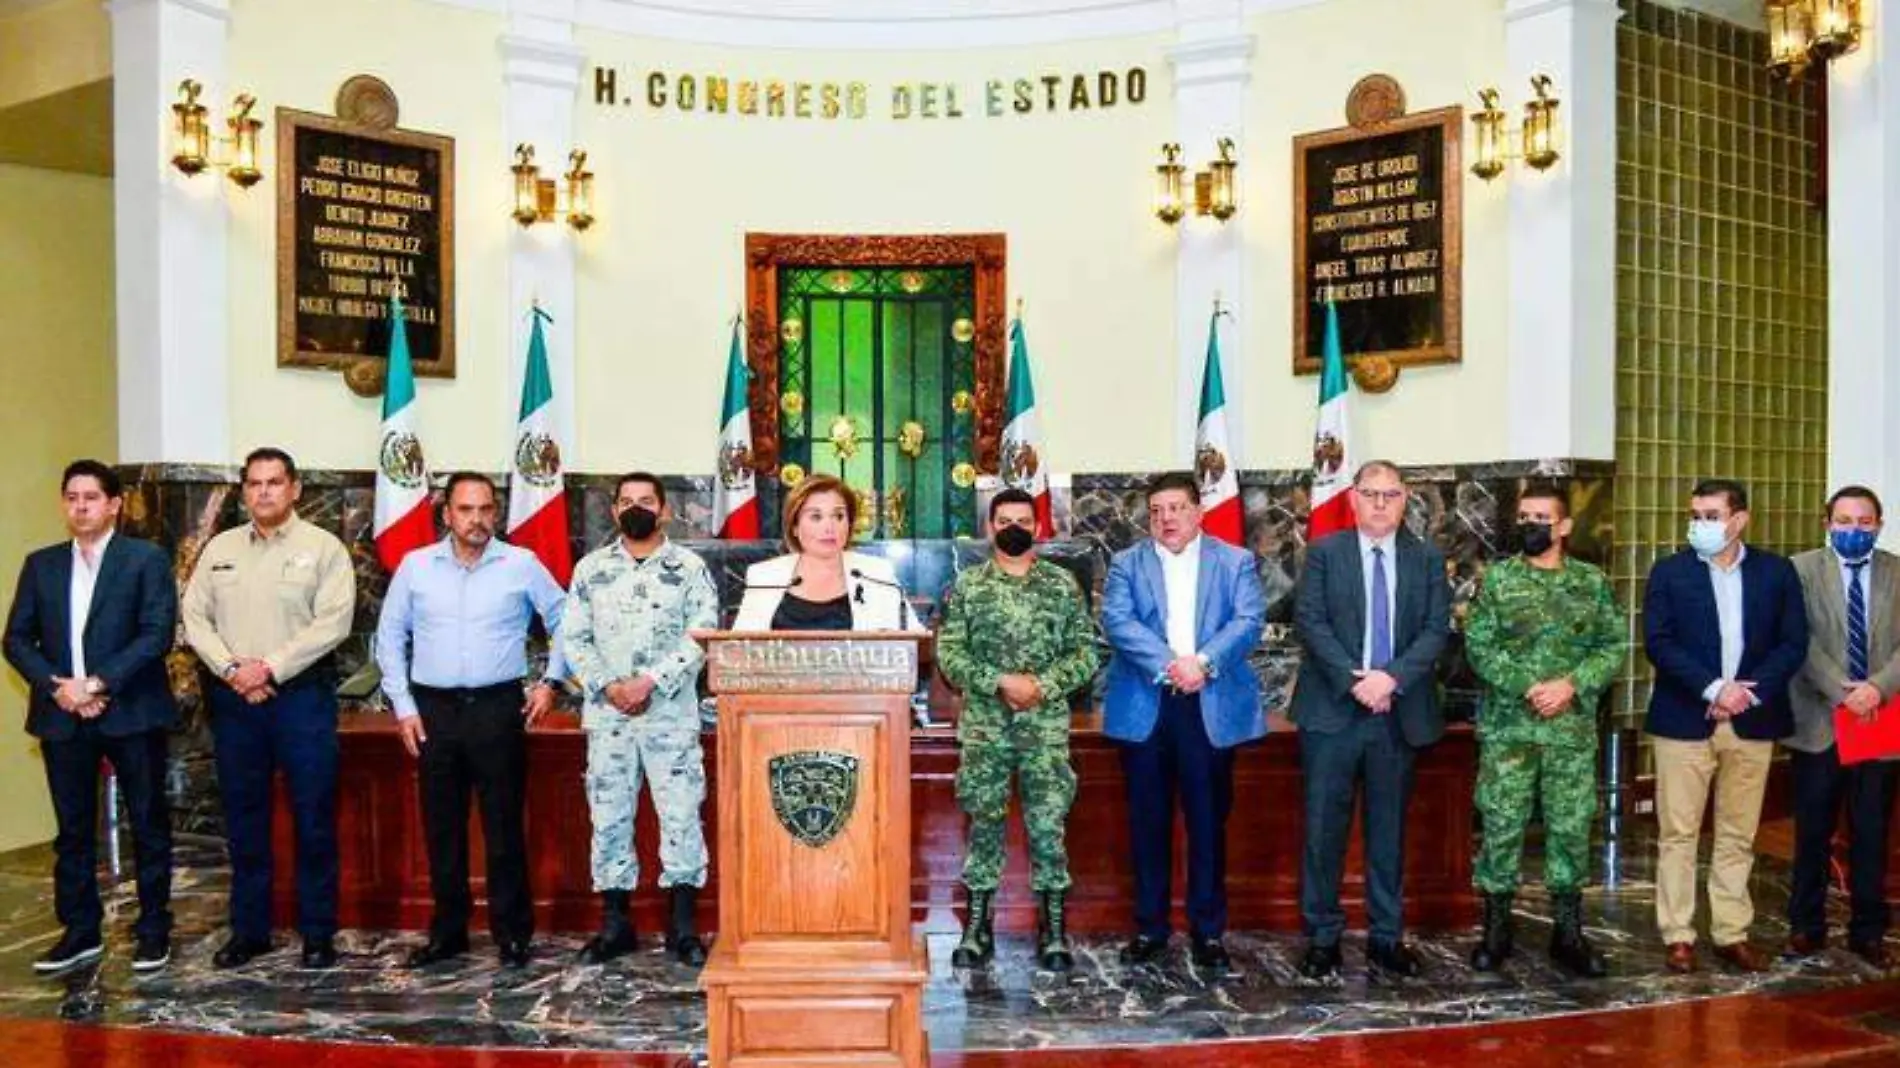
229	670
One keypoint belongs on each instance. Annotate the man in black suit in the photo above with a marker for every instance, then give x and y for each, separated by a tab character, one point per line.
1726	627
90	625
1373	611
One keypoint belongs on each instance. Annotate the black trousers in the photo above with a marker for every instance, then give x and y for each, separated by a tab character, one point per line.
1372	750
1178	761
1822	787
72	775
476	741
293	732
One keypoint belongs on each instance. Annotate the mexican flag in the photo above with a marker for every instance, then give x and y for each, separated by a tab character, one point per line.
735	490
1213	457
1022	434
1332	456
537	490
404	518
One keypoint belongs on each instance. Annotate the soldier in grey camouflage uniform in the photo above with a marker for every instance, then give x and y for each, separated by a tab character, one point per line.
1546	637
1017	640
625	633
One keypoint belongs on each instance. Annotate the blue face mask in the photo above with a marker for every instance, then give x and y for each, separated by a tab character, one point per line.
1708	537
1852	543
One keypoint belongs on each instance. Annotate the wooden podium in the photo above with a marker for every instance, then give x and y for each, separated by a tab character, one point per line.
815	962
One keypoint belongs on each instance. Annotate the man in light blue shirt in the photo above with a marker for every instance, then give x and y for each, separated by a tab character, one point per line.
451	643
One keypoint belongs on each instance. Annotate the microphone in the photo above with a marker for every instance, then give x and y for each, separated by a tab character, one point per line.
903	602
796	580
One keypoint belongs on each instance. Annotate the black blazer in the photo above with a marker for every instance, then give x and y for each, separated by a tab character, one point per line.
1329	612
131	625
1682	636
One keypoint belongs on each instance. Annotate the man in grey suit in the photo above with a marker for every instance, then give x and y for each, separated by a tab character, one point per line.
1373	611
1852	592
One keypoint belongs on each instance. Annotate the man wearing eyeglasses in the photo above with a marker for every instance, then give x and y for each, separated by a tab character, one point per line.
1373	611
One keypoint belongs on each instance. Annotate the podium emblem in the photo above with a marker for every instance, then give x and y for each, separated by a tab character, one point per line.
813	793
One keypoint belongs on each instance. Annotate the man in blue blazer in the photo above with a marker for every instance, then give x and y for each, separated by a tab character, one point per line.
1373	611
1726	628
1182	612
89	628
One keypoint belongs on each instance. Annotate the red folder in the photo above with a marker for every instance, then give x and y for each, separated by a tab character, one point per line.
1868	739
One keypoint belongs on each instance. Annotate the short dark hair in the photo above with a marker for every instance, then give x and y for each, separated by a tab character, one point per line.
456	479
108	478
1861	493
1373	467
1735	492
1545	490
266	454
1011	495
1174	480
659	488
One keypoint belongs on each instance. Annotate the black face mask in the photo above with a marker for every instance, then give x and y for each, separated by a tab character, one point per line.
1014	541
1535	538
638	523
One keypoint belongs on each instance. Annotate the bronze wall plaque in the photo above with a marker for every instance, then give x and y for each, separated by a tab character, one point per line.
360	206
1378	230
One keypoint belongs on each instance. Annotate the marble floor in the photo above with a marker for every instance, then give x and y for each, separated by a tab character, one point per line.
645	1003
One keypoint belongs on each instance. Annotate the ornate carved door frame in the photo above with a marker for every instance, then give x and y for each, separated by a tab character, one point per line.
986	254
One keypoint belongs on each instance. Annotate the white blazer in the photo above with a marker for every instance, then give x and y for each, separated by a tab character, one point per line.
877	602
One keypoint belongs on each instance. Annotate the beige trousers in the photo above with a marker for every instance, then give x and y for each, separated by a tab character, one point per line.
1738	768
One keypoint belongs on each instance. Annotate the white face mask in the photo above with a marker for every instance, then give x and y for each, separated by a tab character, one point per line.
1708	537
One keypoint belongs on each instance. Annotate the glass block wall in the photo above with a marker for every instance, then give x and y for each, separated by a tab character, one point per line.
1721	295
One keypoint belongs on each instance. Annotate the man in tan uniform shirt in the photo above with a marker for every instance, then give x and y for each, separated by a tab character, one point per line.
265	607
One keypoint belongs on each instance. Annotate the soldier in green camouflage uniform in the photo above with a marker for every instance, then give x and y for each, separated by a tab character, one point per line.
1546	637
630	610
1017	640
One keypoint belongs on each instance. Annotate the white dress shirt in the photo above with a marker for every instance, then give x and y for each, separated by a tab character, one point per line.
85	577
1181	575
1389	545
1727	584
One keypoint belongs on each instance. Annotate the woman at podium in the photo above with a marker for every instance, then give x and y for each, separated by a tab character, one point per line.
821	584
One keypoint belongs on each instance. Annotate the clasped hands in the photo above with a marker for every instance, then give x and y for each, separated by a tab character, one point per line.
1862	698
1734	698
252	680
632	695
71	696
1020	692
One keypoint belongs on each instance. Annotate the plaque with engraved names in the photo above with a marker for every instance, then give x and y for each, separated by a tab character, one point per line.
362	208
1377	224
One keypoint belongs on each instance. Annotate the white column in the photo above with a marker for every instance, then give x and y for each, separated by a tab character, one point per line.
1863	264
1562	245
1211	60
541	71
169	236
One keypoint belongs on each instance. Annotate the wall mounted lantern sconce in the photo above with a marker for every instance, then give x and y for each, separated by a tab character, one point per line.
537	199
1806	32
1536	142
194	148
1214	188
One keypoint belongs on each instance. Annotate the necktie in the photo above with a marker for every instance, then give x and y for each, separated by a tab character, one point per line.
1856	624
1381	613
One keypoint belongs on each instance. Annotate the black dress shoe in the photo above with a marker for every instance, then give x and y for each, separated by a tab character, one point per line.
237	952
154	952
1209	953
514	954
605	947
70	951
1143	950
1393	958
319	953
437	950
1320	962
1873	952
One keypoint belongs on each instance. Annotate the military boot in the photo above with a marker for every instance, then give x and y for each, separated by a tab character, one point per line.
680	939
1052	931
978	943
616	930
1568	947
1495	945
